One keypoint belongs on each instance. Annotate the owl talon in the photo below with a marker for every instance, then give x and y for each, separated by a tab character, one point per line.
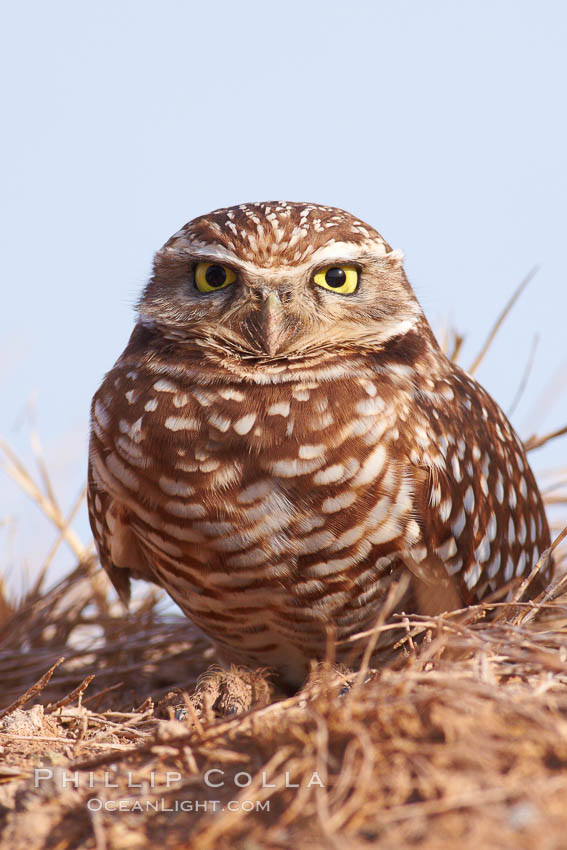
226	693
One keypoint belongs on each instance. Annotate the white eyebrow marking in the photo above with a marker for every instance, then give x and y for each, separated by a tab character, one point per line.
343	251
333	252
208	251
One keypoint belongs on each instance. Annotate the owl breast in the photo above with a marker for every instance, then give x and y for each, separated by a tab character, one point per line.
272	511
265	510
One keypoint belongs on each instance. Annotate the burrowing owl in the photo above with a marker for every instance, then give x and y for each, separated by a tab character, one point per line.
283	437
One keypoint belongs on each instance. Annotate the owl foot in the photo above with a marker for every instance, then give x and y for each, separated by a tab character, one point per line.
226	693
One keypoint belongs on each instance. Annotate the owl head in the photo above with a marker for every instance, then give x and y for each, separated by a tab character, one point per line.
275	280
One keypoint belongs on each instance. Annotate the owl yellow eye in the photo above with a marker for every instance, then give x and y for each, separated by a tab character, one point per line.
212	276
341	279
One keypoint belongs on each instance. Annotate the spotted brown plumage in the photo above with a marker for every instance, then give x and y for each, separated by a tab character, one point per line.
275	453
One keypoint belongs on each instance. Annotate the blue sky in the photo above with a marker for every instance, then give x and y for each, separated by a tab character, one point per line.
441	123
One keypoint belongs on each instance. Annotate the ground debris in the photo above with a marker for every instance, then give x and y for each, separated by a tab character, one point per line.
460	740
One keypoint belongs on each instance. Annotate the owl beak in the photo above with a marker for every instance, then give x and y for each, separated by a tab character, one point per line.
273	321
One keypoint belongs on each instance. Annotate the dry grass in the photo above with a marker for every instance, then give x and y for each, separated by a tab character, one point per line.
459	741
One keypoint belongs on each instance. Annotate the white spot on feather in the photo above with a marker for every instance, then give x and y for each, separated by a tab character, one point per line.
472	575
245	423
309	451
469	501
330	474
231	394
163	386
255	491
370	406
493	567
482	551
292	467
445	510
521	565
121	472
447	549
459	524
101	414
372	466
281	408
175	488
187	510
338	503
181	423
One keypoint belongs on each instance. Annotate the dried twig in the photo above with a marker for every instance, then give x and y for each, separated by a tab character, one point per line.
541	562
76	693
18	472
525	377
535	442
499	321
35	689
60	538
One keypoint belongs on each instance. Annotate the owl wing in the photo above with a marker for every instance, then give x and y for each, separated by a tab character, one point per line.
435	589
117	543
475	498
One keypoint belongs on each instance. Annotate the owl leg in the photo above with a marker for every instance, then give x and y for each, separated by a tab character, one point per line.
226	693
434	591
